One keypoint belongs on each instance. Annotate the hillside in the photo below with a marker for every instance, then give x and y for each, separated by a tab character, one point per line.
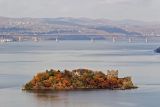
76	26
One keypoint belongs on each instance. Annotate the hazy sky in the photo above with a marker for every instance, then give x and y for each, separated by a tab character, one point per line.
147	10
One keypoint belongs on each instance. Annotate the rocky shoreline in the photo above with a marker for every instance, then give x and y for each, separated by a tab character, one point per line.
78	79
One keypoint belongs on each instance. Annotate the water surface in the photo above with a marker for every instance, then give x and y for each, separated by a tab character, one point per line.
19	61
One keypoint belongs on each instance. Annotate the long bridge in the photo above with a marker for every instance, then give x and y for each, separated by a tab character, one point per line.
92	37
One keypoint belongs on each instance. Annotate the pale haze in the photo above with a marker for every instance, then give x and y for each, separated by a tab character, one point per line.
145	10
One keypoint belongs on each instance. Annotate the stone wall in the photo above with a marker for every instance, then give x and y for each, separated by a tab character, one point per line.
112	74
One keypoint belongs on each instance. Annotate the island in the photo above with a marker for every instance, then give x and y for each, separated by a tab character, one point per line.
78	79
157	50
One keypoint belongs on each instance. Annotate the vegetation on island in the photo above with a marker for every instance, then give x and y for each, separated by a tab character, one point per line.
78	79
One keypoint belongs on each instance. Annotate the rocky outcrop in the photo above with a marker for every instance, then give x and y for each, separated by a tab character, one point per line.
157	50
78	79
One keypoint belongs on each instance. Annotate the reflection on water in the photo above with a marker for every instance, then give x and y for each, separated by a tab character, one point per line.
45	96
142	97
20	61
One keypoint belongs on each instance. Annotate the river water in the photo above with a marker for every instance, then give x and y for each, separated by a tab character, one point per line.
19	61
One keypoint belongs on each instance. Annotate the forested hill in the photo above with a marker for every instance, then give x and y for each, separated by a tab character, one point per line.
76	26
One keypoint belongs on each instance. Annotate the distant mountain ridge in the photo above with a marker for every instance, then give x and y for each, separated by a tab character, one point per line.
76	26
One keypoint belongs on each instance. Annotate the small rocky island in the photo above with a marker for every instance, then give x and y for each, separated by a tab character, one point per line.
157	50
78	79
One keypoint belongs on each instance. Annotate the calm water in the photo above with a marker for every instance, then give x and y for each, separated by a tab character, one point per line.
20	61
